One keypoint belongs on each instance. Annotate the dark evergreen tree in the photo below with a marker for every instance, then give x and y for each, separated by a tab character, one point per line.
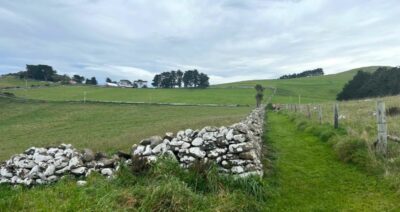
78	79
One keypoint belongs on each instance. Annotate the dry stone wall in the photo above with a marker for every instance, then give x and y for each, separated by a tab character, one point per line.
235	149
46	165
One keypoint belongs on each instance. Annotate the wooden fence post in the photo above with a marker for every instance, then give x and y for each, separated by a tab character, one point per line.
84	97
320	114
295	108
308	112
336	116
381	146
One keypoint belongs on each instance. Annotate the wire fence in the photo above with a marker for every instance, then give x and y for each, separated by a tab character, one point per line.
361	117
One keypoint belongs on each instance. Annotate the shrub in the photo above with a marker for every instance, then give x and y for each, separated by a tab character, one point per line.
8	94
326	134
353	150
301	125
393	111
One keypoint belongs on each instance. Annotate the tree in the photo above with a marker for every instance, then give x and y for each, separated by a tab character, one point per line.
191	78
308	73
179	75
384	81
260	94
156	81
78	79
108	80
187	79
40	72
93	81
203	81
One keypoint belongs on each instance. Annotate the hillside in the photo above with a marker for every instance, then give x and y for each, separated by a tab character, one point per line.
12	82
311	89
184	96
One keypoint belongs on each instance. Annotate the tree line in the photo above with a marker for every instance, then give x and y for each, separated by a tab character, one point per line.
47	73
187	79
308	73
383	82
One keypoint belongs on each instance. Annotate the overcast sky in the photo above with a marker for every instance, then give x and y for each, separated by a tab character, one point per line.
229	40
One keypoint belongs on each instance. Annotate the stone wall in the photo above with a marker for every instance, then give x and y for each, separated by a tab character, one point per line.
46	165
235	149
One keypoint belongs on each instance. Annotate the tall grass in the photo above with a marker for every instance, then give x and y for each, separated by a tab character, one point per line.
165	187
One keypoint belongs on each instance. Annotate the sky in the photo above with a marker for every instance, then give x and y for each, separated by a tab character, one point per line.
230	40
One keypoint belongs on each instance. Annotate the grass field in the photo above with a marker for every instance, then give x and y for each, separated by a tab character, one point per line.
308	177
103	127
10	81
311	89
188	96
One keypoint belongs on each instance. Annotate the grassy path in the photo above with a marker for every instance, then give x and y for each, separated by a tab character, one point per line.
309	178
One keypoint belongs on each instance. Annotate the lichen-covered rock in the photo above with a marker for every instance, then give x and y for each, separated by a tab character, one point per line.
197	141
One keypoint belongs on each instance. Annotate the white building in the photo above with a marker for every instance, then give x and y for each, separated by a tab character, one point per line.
110	84
125	83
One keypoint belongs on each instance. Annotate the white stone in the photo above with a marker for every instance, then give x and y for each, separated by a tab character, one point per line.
229	135
197	141
147	151
107	172
41	158
185	145
161	148
74	162
176	142
63	170
50	170
240	138
139	150
188	132
187	159
5	173
197	152
52	151
78	171
81	183
237	169
152	158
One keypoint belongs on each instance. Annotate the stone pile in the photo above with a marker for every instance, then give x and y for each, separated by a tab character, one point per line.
236	149
46	165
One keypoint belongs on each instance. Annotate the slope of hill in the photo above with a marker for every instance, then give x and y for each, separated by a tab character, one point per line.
184	96
311	89
12	82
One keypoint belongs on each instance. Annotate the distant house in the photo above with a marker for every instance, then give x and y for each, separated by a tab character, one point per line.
110	84
140	83
125	83
72	82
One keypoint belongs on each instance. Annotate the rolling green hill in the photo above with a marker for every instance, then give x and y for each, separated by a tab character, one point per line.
311	89
187	96
12	82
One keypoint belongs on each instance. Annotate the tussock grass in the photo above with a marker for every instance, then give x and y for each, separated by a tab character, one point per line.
165	187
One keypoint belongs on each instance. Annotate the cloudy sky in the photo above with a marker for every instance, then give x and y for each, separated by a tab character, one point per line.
229	40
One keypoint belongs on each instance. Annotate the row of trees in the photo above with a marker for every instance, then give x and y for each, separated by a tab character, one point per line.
187	79
47	73
308	73
384	81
